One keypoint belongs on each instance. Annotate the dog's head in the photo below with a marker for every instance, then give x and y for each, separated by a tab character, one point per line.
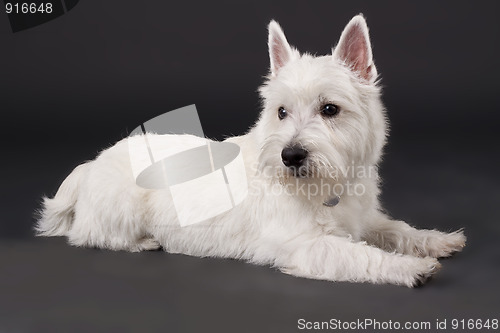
321	114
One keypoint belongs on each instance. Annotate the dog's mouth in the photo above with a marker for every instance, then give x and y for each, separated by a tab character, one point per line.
311	170
300	172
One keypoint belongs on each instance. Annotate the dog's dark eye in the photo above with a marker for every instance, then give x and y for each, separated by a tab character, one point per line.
329	110
282	113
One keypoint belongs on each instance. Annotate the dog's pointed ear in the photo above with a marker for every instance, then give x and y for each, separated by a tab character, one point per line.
354	49
280	51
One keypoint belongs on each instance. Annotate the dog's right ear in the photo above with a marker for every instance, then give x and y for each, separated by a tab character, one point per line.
280	51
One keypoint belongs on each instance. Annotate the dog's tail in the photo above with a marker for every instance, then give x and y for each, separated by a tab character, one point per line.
56	215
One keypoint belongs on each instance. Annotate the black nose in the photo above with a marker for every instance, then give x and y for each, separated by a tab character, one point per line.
294	156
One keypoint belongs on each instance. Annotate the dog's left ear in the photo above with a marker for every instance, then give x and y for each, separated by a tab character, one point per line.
354	49
280	52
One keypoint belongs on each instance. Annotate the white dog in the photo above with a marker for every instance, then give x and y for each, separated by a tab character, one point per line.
322	128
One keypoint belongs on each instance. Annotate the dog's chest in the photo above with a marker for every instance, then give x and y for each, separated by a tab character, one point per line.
344	219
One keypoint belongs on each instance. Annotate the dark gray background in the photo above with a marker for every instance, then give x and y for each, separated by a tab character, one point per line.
73	86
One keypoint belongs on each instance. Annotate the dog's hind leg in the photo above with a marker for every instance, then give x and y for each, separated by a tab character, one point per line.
147	244
398	236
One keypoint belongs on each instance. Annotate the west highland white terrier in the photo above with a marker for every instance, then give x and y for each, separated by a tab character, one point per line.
312	207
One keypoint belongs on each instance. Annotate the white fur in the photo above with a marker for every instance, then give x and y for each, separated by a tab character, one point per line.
99	204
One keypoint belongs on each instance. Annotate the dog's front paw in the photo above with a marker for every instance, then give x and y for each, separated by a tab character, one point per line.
421	271
443	244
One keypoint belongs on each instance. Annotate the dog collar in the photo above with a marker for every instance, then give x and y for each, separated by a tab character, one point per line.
332	202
